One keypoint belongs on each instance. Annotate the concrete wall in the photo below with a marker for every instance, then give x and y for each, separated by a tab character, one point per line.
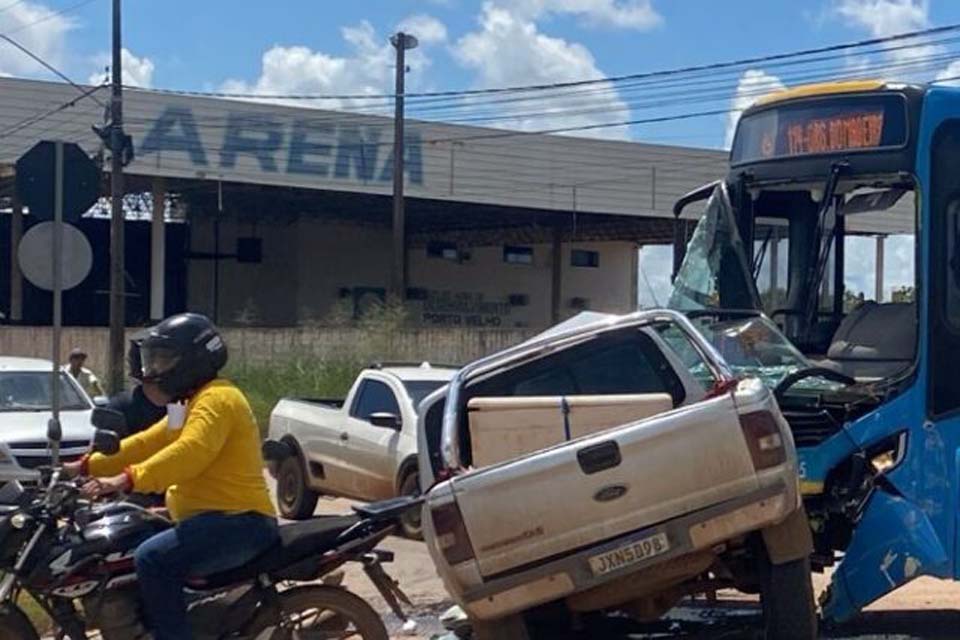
451	346
309	265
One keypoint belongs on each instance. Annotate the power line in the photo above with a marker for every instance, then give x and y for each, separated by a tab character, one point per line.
43	116
49	67
593	81
49	16
690	95
11	5
688	90
503	134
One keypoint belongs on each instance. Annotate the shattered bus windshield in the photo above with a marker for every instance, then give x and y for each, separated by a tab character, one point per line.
714	275
715	272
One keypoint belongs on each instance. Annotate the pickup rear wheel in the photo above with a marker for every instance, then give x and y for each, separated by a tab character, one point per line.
789	609
296	500
411	523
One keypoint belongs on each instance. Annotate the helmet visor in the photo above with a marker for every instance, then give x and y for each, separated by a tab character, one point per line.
157	361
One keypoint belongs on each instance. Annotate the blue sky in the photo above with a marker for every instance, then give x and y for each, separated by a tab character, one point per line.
329	46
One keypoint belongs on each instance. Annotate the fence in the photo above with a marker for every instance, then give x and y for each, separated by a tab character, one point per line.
261	345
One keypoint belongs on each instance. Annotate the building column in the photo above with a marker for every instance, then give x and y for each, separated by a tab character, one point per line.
158	251
556	284
16	279
878	285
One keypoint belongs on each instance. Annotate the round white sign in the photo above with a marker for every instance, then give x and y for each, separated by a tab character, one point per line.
36	262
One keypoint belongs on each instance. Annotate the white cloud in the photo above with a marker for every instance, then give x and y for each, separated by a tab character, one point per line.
951	75
753	84
882	18
367	69
136	72
427	29
508	50
45	37
632	14
885	17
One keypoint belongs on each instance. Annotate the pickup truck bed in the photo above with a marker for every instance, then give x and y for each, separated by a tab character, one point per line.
329	403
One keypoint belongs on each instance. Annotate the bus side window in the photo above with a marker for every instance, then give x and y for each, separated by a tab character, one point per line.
943	395
953	263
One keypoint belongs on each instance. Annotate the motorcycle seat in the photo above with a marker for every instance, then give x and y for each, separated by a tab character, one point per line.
297	541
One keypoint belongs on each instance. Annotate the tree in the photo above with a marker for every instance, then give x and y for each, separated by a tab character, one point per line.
852	301
903	294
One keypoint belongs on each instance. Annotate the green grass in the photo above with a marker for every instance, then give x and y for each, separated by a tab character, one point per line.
264	385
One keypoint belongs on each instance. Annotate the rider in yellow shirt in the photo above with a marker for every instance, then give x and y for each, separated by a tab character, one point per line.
206	456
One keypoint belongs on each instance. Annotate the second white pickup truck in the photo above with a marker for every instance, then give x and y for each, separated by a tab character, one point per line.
363	447
591	470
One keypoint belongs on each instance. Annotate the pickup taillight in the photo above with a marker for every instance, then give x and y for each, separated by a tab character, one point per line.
763	439
451	533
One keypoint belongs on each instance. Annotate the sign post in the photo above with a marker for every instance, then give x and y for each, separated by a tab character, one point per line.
75	188
54	432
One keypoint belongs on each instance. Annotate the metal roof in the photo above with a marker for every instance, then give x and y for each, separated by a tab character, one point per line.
200	138
253	142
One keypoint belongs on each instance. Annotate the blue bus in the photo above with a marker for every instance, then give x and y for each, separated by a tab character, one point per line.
824	183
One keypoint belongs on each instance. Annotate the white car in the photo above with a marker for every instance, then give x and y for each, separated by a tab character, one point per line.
363	447
25	410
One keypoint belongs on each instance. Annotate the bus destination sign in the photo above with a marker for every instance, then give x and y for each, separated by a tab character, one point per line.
823	135
820	127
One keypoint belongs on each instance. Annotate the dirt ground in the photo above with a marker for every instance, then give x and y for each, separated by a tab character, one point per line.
926	608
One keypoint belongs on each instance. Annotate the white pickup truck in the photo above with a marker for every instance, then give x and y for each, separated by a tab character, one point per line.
593	470
363	447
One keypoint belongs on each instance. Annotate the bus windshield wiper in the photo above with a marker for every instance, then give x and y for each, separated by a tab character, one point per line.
837	170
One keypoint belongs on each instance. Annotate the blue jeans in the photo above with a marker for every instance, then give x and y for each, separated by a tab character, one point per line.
202	545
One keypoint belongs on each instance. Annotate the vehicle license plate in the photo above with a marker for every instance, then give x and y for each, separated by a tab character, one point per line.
629	554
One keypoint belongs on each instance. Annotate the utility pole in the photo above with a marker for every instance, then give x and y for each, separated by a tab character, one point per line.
117	298
398	278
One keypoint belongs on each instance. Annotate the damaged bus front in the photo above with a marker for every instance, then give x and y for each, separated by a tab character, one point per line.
784	274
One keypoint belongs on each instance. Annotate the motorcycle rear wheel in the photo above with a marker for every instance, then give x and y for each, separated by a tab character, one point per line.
326	612
14	625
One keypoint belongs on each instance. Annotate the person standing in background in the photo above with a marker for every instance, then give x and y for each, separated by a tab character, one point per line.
86	378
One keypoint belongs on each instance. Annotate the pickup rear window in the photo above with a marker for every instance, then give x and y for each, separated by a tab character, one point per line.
420	389
623	362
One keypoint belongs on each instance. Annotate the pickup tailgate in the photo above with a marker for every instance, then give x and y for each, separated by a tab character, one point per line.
572	495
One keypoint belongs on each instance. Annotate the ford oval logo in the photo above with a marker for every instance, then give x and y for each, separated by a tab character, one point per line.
611	493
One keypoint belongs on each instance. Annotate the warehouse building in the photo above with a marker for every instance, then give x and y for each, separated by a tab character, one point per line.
281	216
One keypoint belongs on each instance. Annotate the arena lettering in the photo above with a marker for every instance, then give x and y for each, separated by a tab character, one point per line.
313	146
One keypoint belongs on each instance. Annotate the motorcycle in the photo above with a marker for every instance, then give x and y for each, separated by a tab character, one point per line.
74	557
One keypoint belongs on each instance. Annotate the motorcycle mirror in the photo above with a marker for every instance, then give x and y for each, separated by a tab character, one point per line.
108	419
106	441
54	431
274	451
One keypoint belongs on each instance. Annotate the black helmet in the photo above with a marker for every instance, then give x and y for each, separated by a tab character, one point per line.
182	353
